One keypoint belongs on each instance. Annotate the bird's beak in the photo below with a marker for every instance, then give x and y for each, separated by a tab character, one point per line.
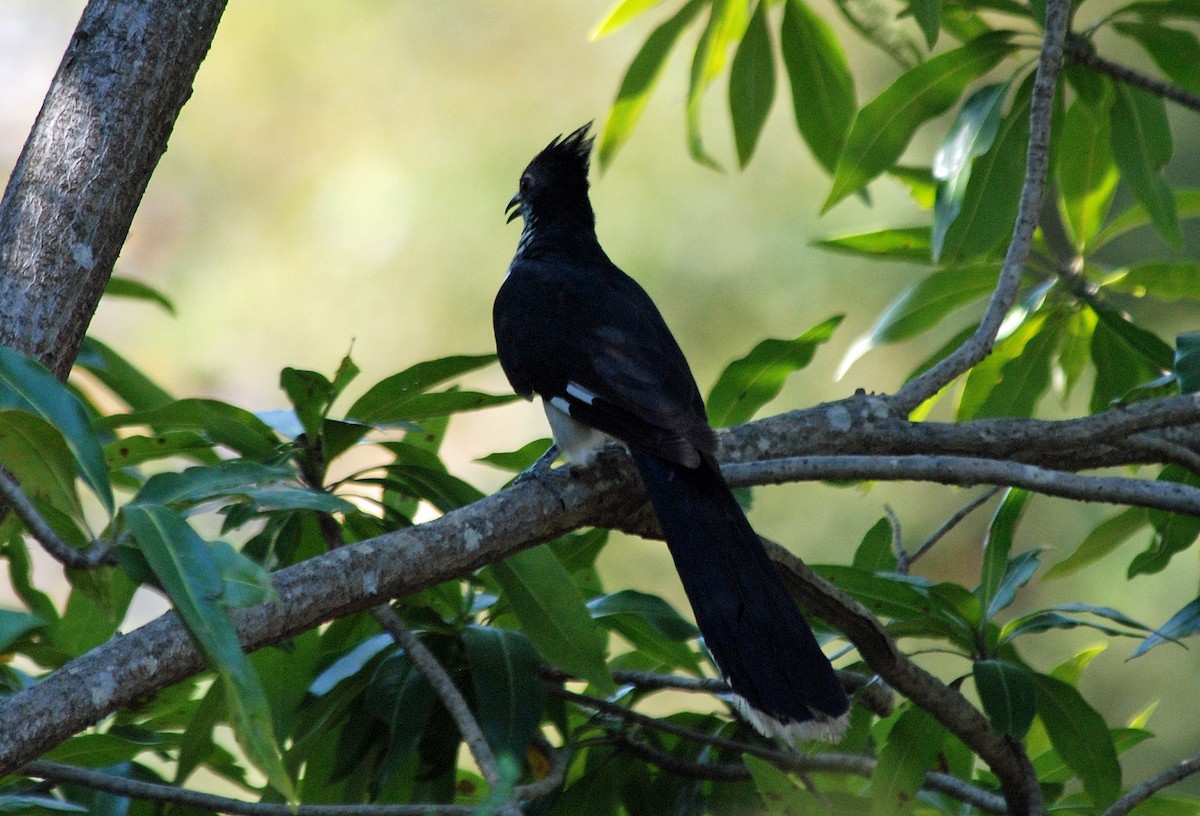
514	202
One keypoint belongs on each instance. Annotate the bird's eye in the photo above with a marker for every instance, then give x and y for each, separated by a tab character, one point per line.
524	186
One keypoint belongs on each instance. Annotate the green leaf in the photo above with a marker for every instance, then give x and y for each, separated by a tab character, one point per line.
228	425
1008	695
972	134
129	451
876	552
1018	573
822	86
120	376
883	595
516	461
884	127
911	750
643	74
1187	362
928	14
919	182
781	795
992	195
183	565
245	582
26	385
996	387
1173	532
509	695
428	406
119	287
36	454
1086	173
1168	281
14	625
233	478
310	394
1080	737
998	545
909	244
386	398
752	381
400	696
349	664
752	84
553	614
1101	541
650	624
727	22
1184	623
22	804
1187	203
94	751
620	15
1176	52
1141	142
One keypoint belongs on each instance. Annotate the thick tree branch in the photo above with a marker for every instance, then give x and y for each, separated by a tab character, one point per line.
78	182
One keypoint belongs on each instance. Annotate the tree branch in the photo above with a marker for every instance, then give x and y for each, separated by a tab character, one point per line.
1135	796
62	552
1080	50
979	345
75	188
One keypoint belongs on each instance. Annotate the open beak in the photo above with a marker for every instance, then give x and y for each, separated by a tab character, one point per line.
514	202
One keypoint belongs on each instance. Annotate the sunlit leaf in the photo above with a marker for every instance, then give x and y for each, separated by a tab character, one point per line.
752	84
883	128
1102	540
1168	281
910	244
1086	173
385	400
36	454
727	22
620	15
1013	379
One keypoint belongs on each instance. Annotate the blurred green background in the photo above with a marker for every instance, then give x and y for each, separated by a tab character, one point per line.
338	182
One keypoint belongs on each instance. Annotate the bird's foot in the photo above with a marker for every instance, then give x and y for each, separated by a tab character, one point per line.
539	472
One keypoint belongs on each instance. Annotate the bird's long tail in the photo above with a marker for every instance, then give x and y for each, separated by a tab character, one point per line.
782	681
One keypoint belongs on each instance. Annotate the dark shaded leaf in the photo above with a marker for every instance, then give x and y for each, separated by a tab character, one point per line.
1008	695
119	287
1080	737
234	427
928	14
876	552
1173	532
998	545
509	696
1184	623
1141	142
1175	51
1187	362
1168	281
94	751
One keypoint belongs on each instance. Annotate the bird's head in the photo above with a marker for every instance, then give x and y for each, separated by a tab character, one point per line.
553	188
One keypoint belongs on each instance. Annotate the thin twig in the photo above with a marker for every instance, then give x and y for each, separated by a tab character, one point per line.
789	760
953	522
1081	51
979	345
448	693
1135	796
1168	450
970	471
716	771
98	555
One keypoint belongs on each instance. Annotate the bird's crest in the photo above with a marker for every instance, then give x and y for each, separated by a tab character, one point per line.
569	154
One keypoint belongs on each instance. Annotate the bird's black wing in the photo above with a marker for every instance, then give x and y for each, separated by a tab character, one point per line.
589	340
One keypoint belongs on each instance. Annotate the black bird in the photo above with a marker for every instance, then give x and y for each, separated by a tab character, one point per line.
577	331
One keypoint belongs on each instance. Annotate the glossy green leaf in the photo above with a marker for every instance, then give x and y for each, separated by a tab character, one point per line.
553	614
1168	281
752	84
727	22
1102	540
120	376
1141	142
509	696
911	750
1086	173
752	381
822	87
26	385
228	425
14	625
130	451
1011	381
1080	737
876	552
1125	355
924	305
94	751
1176	52
1008	695
519	459
992	195
120	287
36	454
883	128
883	595
1183	624
640	79
998	545
184	567
909	244
651	608
620	15
970	136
